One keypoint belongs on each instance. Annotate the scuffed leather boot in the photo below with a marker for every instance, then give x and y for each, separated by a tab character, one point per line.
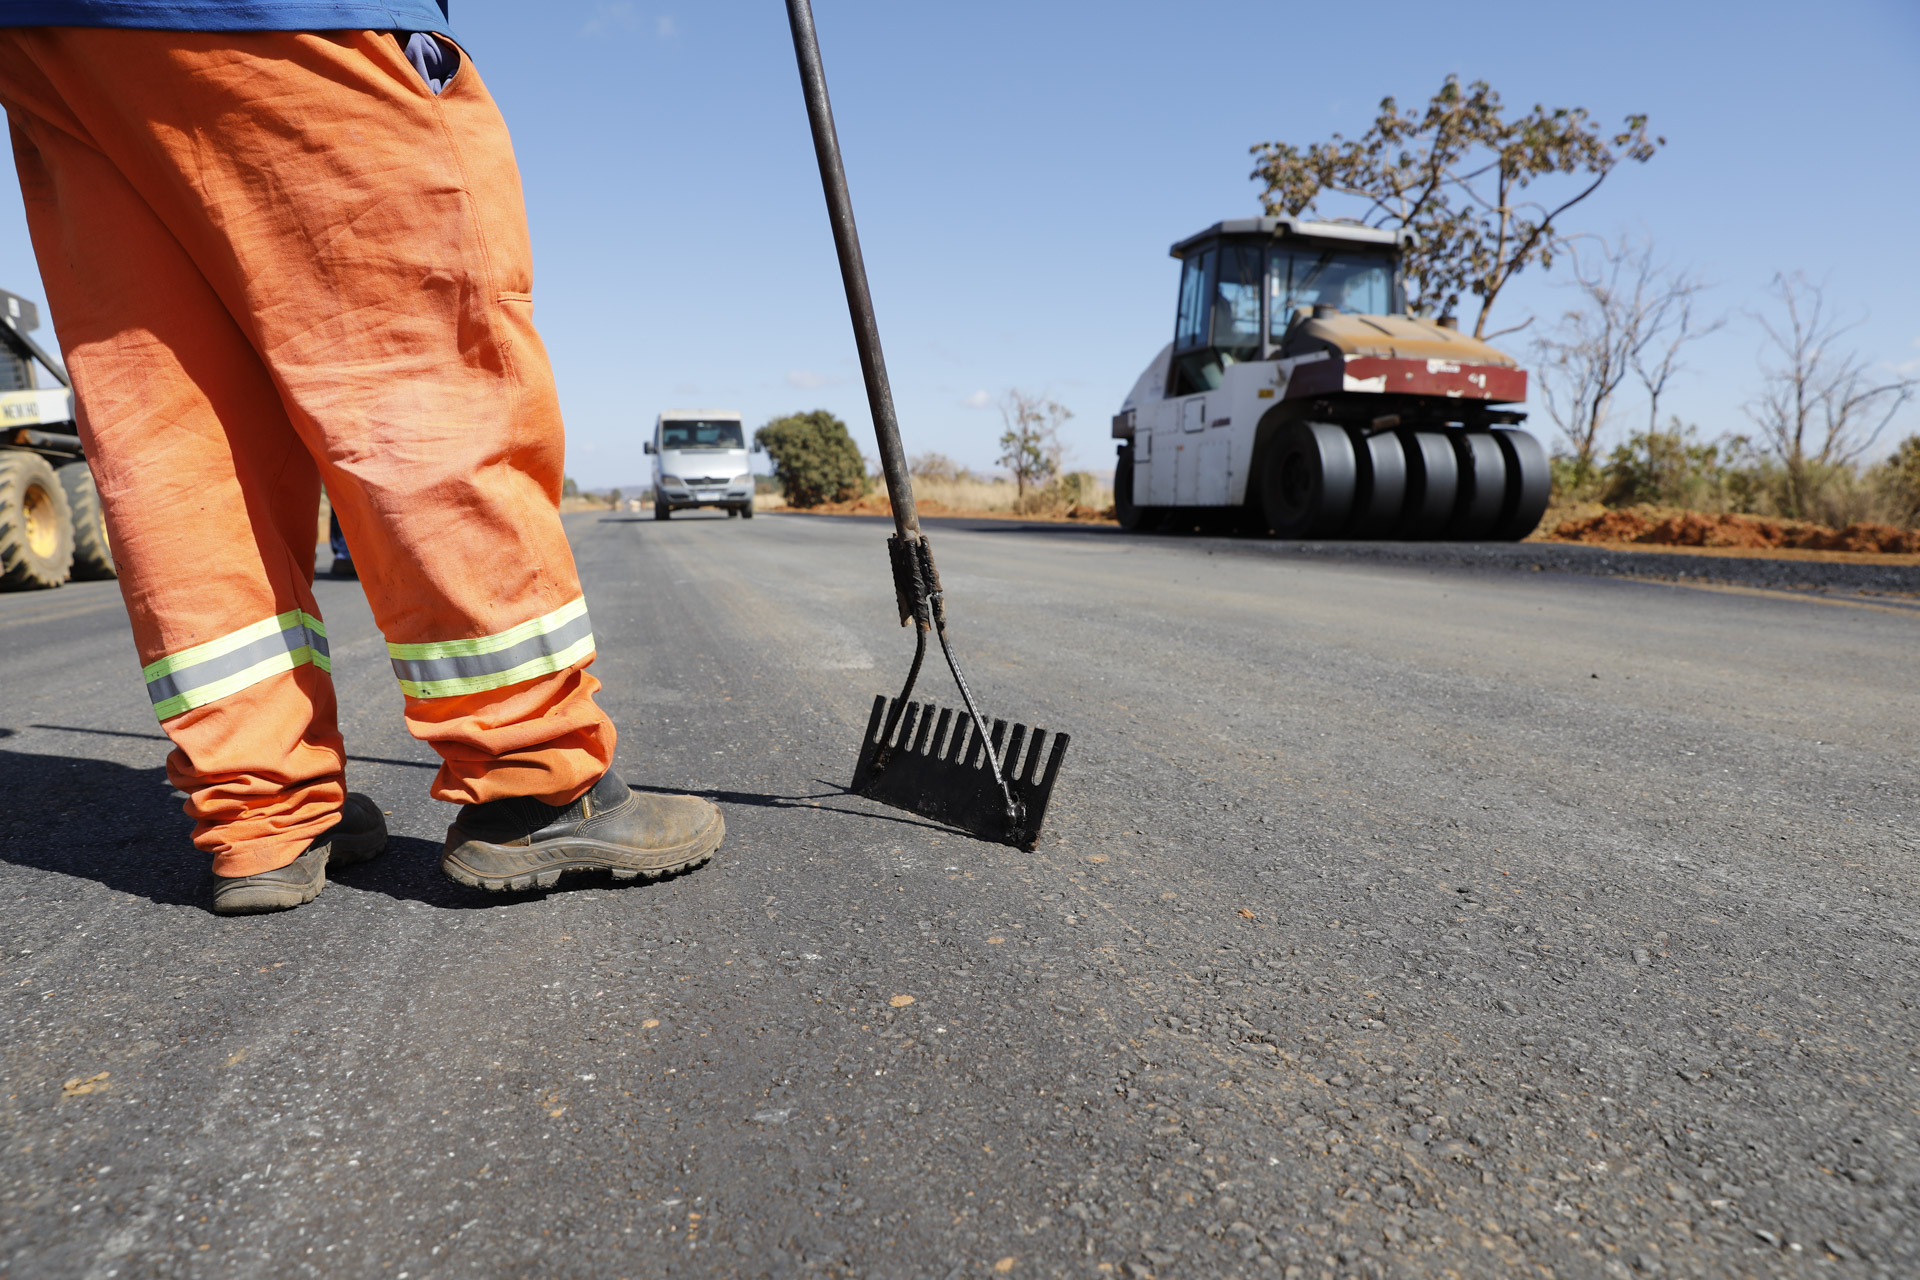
521	843
360	834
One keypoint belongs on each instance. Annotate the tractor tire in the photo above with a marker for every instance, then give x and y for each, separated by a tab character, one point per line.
1482	494
1130	516
1307	485
1381	492
1529	485
1433	478
36	528
92	549
661	511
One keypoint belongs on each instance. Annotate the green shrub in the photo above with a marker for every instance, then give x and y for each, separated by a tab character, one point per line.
1898	480
814	457
1672	468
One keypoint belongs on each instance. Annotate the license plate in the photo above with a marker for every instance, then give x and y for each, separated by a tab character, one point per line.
708	495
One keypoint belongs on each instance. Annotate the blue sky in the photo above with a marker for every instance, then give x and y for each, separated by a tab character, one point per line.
1020	169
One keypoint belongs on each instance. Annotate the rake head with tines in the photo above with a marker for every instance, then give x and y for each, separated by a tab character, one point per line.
936	764
947	768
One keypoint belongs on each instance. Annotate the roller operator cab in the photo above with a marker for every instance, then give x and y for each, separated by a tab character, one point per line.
1298	396
700	459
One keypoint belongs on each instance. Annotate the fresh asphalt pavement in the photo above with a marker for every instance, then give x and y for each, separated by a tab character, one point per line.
1390	920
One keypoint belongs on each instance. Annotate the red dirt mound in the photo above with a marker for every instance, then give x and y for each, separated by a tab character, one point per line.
1701	529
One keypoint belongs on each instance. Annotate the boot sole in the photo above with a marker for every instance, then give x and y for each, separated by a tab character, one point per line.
561	856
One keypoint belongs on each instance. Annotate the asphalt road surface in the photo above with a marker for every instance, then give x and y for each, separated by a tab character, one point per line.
1390	921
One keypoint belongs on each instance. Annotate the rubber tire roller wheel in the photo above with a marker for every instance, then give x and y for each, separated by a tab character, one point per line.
36	528
1529	485
1381	493
1307	485
92	549
1131	517
1482	495
1433	478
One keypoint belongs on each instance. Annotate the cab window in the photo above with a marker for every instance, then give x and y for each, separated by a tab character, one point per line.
1356	283
1236	303
1196	289
689	434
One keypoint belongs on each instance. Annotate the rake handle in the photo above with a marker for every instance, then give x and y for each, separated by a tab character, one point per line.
853	270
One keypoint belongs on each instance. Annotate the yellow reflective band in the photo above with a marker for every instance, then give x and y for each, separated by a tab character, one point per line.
545	664
493	643
446	668
234	640
211	671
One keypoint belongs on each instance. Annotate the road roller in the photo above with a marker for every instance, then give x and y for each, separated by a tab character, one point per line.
1300	397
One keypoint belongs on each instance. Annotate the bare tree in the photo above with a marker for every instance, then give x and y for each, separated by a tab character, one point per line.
1635	319
1819	405
1030	447
1670	299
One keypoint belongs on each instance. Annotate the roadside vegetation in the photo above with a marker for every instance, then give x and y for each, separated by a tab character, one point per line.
1810	458
817	467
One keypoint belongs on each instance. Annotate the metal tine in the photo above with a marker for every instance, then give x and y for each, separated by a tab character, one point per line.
975	746
1010	758
907	723
881	703
1060	741
1034	751
936	744
961	726
926	729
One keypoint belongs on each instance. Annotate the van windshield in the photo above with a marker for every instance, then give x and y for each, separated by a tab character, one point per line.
688	434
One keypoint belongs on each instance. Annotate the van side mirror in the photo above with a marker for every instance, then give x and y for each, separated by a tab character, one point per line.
758	447
648	446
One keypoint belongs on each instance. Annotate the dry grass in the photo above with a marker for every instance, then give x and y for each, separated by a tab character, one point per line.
1000	497
936	496
965	495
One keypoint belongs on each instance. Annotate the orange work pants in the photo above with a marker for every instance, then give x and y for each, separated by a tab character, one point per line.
277	259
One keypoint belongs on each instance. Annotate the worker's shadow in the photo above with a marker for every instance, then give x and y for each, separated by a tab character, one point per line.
123	827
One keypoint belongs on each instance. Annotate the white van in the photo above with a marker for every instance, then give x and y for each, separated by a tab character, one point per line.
700	460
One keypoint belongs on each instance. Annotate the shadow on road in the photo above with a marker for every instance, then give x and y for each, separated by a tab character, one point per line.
123	828
765	800
96	820
352	758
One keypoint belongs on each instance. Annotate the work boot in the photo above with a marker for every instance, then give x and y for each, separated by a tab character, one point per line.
360	834
520	843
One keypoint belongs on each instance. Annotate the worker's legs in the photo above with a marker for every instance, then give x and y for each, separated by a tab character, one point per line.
368	238
210	497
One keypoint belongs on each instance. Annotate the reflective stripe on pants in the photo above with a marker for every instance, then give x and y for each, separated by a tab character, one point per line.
449	668
211	671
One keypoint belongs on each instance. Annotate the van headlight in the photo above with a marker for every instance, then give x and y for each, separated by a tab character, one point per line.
743	482
672	480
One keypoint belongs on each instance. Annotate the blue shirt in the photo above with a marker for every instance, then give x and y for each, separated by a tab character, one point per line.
231	15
